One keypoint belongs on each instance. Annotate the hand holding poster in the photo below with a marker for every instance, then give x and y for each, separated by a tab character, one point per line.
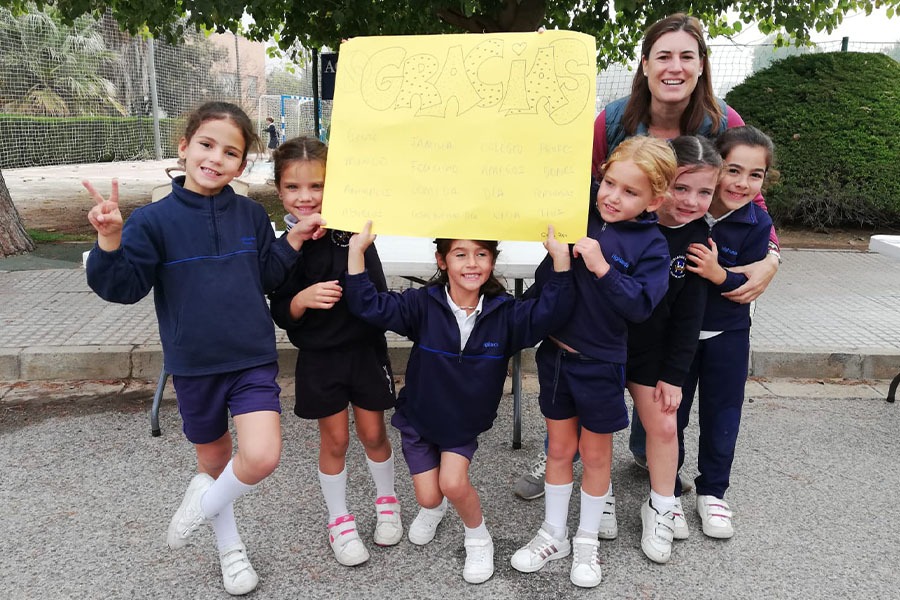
464	136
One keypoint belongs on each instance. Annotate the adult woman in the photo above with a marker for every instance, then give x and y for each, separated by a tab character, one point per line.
671	95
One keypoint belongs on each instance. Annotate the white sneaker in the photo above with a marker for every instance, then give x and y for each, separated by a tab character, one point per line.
715	514
424	526
681	526
657	534
542	548
388	528
188	518
609	529
345	543
238	574
479	560
586	570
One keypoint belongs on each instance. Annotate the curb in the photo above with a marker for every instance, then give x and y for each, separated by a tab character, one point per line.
125	362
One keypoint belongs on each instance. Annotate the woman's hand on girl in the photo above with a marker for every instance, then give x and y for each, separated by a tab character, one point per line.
310	227
105	216
359	242
759	276
558	251
705	262
589	250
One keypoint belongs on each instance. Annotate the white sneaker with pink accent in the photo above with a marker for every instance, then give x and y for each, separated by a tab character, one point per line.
345	543
715	514
388	528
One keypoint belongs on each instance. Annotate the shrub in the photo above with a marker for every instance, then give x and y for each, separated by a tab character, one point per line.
835	121
37	141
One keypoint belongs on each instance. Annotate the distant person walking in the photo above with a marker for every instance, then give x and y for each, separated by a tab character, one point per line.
273	138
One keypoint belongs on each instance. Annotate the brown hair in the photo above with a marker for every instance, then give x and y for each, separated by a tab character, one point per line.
215	111
654	157
747	135
298	148
703	102
491	287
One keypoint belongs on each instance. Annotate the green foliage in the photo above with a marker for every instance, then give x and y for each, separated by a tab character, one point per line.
60	141
834	119
48	67
314	23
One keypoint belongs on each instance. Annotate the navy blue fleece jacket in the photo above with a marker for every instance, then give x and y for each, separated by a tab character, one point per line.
209	260
635	283
451	396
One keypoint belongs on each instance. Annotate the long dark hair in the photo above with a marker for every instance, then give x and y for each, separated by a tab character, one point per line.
703	102
215	111
491	287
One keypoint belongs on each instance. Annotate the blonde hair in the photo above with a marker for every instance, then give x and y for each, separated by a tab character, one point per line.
653	156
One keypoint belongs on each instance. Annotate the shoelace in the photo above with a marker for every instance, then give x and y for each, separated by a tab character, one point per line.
539	467
579	550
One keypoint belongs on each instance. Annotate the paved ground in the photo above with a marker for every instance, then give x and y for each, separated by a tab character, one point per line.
87	494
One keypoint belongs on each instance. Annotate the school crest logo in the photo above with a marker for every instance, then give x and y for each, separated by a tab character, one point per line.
678	266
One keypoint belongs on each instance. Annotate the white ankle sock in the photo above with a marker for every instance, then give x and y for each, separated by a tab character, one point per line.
479	532
592	508
662	504
225	527
438	510
334	489
225	490
383	476
556	508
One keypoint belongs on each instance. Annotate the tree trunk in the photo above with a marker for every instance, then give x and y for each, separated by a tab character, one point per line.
13	237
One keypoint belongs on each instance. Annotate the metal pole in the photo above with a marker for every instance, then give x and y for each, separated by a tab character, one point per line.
845	41
154	99
315	89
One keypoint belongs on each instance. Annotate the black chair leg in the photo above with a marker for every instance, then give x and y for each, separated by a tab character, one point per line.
892	391
157	398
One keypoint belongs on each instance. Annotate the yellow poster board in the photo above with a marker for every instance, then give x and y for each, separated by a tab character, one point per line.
475	136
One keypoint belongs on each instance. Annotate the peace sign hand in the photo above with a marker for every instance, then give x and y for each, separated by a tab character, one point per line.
105	216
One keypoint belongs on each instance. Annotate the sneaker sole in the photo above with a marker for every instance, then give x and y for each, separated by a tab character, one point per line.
480	578
529	497
717	533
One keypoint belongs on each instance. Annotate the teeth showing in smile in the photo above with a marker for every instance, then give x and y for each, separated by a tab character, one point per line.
673	81
209	171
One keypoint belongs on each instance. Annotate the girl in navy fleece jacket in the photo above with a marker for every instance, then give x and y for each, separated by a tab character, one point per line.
464	328
739	235
621	276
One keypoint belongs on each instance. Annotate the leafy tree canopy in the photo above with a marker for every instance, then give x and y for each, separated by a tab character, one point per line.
617	24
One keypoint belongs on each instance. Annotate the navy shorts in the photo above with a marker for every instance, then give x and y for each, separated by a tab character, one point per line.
422	455
573	385
327	381
204	401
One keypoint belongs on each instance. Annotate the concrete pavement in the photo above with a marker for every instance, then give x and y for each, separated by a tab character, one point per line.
827	314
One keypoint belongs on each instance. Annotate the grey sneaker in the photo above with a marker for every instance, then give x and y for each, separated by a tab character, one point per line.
531	485
188	518
585	571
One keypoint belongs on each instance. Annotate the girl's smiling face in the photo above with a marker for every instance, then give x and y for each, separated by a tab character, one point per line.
300	187
625	192
743	175
468	266
689	196
212	157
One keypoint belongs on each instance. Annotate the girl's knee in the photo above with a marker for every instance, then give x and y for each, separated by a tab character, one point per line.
429	498
261	459
374	438
455	487
335	445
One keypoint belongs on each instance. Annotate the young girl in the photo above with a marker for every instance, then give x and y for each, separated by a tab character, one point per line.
660	349
621	277
739	235
464	328
342	360
210	256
